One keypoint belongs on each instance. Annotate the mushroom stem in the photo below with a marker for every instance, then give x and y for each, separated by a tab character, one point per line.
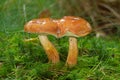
73	52
49	48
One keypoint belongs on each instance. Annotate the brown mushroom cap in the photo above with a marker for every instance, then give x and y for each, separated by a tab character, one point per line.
67	26
41	26
73	26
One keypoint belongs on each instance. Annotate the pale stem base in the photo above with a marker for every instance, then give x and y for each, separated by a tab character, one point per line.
49	48
73	52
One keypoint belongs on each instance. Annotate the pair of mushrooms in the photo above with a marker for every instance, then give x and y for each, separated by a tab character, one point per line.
67	26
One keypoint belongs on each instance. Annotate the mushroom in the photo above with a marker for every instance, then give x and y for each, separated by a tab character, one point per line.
43	27
67	26
73	27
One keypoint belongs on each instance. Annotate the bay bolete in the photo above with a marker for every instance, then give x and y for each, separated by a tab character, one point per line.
73	27
43	27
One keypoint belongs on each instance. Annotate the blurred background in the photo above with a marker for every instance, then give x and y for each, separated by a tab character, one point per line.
104	15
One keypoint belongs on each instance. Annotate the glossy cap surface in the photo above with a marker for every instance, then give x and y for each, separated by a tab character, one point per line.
67	26
73	26
41	26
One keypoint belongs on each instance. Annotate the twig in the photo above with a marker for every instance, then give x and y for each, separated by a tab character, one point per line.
24	12
110	9
106	26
